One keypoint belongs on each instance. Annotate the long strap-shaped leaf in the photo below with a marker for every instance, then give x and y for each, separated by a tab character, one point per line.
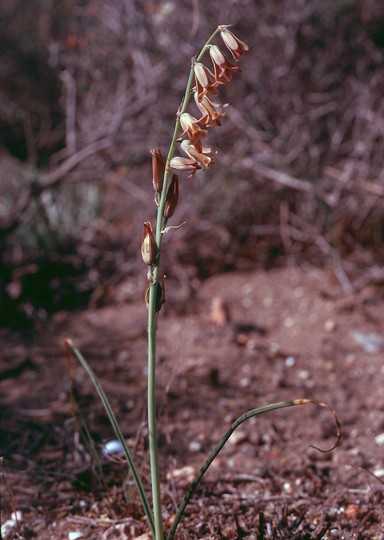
226	436
115	425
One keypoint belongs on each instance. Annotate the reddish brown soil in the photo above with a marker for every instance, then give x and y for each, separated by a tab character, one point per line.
289	335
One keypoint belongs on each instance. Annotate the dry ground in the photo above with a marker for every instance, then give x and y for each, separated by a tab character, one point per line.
288	335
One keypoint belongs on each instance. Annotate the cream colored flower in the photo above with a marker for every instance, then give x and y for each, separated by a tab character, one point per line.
199	155
209	110
235	46
205	80
184	164
191	128
221	65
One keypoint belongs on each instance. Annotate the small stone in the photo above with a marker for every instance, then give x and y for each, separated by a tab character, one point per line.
238	437
289	322
303	374
74	535
195	446
113	448
379	439
290	361
329	325
183	476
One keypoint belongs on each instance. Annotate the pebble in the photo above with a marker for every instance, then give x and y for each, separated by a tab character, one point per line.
238	437
329	325
74	535
8	525
379	439
195	446
290	361
113	448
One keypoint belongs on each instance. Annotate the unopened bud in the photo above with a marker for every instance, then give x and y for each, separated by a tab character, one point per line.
158	168
172	197
160	295
148	245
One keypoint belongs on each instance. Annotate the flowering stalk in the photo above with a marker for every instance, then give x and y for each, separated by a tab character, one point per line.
166	198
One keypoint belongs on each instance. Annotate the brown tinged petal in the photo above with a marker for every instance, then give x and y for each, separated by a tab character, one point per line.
158	168
235	46
148	244
211	116
191	128
184	164
221	65
205	80
172	197
199	155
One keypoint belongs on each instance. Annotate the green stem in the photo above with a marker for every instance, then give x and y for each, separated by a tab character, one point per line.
152	427
153	273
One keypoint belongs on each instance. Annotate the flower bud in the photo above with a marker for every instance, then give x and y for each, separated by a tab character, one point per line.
148	244
172	197
160	295
158	168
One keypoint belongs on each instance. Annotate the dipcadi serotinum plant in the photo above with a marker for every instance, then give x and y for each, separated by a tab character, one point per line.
190	133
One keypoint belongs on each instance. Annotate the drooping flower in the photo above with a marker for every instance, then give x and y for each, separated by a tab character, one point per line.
191	128
184	164
235	46
205	80
221	65
199	155
211	116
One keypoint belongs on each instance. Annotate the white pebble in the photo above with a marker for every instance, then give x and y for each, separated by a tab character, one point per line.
304	374
379	439
290	361
195	446
113	448
74	535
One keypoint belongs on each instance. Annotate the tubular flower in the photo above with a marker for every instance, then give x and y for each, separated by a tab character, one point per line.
191	127
205	81
211	116
221	65
199	155
184	164
235	46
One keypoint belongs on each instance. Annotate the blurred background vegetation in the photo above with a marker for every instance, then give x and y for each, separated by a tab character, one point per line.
87	87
